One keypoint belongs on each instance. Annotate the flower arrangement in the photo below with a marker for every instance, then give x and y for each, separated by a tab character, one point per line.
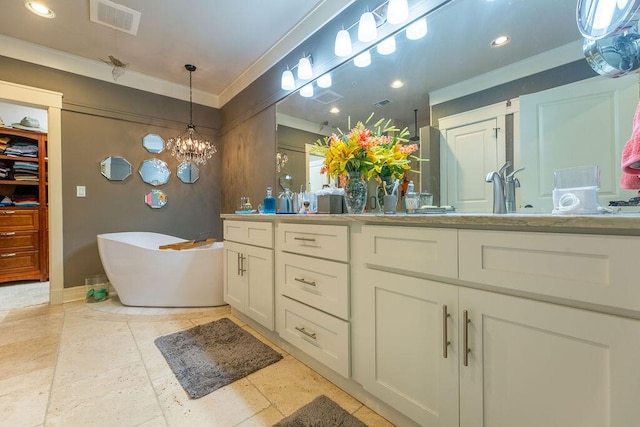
381	152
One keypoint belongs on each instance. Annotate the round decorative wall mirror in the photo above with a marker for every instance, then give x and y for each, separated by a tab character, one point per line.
155	199
188	172
153	143
154	172
115	168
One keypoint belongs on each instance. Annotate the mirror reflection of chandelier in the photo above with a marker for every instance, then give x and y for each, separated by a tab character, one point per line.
281	160
190	146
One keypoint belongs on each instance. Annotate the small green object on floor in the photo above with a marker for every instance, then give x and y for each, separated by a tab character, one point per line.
97	294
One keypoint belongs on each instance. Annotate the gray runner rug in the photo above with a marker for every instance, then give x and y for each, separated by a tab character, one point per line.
321	412
210	356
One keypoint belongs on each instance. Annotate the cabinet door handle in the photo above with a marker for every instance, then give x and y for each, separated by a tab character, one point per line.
12	254
238	257
304	331
445	332
8	233
8	212
305	239
242	269
465	337
306	282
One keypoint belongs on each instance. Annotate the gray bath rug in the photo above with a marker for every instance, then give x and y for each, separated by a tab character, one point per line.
213	355
321	412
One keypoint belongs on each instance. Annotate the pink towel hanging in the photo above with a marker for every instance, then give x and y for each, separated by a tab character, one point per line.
631	156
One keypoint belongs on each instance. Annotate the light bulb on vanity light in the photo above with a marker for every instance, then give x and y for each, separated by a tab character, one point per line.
367	28
305	72
397	12
417	30
324	81
307	90
387	46
287	82
362	60
343	43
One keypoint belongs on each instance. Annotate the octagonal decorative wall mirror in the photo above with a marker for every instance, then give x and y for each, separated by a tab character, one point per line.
153	143
188	172
154	172
155	199
115	168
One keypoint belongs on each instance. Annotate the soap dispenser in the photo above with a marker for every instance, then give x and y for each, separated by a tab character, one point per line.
269	202
411	199
285	201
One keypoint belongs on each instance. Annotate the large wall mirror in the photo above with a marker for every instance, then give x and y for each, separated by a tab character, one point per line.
544	107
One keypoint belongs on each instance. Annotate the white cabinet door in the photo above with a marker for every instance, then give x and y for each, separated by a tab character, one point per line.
403	362
235	287
538	364
258	271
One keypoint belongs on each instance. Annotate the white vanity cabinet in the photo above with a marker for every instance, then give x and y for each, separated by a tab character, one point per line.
248	272
312	287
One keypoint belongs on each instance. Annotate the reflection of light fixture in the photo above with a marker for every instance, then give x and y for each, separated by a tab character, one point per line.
39	9
362	60
397	12
288	82
343	43
367	28
307	90
334	110
417	30
324	81
387	46
500	41
305	71
190	146
281	160
396	84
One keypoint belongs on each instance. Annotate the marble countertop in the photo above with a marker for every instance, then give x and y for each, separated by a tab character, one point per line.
618	224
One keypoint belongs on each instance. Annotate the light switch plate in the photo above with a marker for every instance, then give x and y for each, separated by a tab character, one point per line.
81	191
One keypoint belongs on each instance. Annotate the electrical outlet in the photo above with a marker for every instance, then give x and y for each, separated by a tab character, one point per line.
81	191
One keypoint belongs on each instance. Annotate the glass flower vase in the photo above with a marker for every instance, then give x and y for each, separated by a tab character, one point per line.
385	187
355	193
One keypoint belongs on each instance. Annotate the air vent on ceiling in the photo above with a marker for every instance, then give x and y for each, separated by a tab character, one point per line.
382	103
327	97
114	15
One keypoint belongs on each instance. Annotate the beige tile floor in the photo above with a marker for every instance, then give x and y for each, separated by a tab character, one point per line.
96	364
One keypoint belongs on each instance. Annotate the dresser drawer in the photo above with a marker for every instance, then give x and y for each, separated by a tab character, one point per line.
18	262
18	219
590	268
414	249
322	241
18	241
322	336
317	282
249	232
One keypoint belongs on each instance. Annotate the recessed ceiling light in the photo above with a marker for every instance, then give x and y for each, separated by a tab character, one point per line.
397	84
334	110
500	41
39	9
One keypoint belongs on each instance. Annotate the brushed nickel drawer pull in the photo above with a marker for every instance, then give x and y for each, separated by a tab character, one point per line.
12	254
8	233
304	331
305	239
465	337
445	333
306	282
8	212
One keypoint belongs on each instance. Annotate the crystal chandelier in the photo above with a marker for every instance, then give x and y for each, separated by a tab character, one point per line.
281	160
190	146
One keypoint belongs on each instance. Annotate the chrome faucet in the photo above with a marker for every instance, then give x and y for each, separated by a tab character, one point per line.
504	189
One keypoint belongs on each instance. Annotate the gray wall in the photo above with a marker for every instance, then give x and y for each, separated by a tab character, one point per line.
100	119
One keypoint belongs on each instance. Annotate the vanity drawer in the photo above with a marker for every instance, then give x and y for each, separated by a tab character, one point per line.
324	337
322	241
18	241
250	232
317	282
18	219
19	262
413	249
590	268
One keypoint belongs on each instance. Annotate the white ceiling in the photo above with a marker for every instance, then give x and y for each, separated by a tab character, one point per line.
231	42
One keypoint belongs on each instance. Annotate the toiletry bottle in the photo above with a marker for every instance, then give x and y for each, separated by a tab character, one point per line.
285	200
269	203
411	199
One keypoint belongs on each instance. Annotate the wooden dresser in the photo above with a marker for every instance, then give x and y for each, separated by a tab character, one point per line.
24	229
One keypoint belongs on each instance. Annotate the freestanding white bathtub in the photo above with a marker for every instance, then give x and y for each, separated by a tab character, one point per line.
144	275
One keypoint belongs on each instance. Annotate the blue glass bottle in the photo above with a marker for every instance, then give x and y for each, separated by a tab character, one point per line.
269	202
